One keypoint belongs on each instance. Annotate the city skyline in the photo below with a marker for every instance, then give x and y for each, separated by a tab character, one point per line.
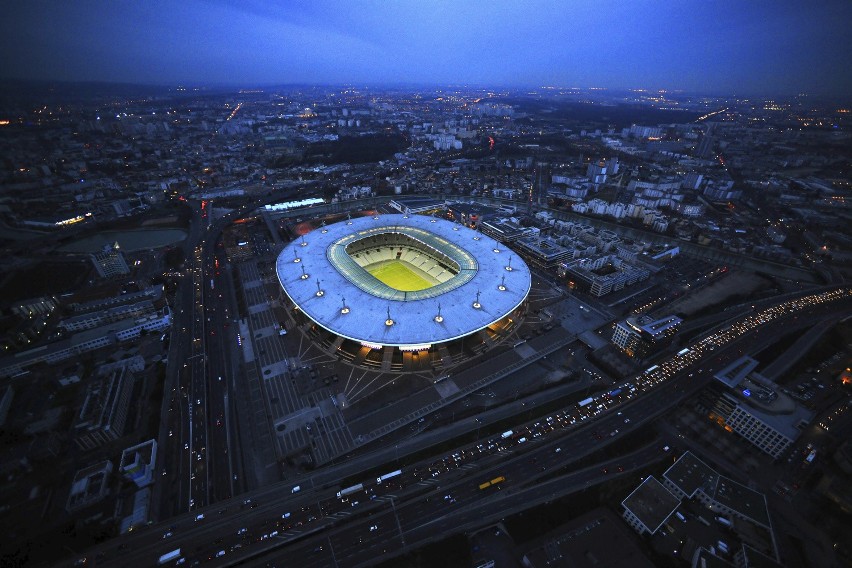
760	48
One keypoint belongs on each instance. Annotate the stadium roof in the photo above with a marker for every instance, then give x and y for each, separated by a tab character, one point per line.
483	266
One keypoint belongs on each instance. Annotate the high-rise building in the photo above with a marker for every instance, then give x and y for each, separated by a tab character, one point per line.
542	174
597	172
110	262
706	144
693	180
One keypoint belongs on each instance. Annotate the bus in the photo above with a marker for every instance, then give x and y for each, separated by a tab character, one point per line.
495	481
388	476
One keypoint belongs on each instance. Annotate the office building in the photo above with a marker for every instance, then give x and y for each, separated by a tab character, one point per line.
746	403
641	336
110	262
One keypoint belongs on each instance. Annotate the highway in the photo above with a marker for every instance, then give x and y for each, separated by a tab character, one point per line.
522	457
198	423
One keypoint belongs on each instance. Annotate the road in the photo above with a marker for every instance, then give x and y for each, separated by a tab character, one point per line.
522	454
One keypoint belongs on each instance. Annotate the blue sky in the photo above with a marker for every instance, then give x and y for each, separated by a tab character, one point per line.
737	47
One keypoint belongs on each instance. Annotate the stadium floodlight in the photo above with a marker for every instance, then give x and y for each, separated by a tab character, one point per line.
439	318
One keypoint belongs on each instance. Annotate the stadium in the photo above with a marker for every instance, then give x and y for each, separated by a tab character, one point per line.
402	292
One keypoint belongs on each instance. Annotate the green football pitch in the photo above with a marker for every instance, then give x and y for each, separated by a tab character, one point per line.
399	276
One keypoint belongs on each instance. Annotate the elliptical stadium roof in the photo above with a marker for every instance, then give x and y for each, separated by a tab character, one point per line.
499	276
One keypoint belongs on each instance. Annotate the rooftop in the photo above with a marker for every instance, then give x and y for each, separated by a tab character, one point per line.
733	374
595	539
651	503
691	474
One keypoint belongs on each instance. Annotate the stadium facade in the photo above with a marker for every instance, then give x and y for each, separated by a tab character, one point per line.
378	289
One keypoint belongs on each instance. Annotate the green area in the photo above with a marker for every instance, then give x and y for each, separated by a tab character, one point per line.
399	276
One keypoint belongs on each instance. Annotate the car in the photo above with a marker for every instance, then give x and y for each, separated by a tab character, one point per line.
220	553
167	534
285	516
186	445
198	401
199	517
242	531
374	528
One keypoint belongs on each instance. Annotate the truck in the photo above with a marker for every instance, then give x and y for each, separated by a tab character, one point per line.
586	401
350	490
387	476
169	556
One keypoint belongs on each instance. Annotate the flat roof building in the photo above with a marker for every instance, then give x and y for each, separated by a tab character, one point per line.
589	541
753	407
690	478
103	414
641	336
543	251
139	462
89	486
649	505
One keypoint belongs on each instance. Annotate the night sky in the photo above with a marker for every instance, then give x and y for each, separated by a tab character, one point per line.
720	47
